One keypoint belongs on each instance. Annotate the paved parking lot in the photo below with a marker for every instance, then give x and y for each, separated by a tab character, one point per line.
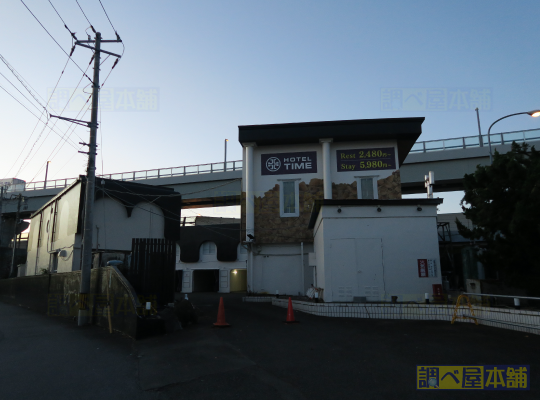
258	357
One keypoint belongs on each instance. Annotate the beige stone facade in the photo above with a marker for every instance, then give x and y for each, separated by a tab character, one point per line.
271	228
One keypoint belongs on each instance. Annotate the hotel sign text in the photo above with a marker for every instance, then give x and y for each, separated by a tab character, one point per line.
289	163
366	159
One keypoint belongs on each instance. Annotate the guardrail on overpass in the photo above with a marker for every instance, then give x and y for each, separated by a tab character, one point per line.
468	142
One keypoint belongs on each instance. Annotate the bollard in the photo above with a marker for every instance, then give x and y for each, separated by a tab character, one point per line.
427	298
517	304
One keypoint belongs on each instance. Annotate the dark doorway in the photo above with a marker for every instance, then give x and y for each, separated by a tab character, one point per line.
178	281
206	280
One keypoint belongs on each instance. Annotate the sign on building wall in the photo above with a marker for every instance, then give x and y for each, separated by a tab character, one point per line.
427	268
366	159
289	163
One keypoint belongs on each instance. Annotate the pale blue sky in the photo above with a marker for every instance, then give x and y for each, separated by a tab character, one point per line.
220	64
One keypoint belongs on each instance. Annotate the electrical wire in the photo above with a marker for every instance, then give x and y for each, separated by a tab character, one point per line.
22	94
107	16
51	157
52	37
86	16
46	136
176	194
17	75
57	13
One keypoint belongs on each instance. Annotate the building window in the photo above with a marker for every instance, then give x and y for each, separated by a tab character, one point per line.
289	198
367	187
208	248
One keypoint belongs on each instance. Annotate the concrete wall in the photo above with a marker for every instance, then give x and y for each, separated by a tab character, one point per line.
57	295
361	248
279	267
116	231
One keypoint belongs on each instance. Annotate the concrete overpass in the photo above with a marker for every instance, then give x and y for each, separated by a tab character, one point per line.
210	185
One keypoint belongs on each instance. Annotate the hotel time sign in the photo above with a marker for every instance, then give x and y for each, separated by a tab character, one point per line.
366	159
289	163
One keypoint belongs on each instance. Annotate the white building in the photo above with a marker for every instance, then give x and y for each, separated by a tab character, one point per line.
122	211
210	257
336	174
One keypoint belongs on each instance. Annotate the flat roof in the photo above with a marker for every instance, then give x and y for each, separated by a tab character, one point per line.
404	130
367	202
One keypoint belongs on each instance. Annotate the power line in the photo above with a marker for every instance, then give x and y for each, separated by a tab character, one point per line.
61	48
57	13
22	94
85	16
17	100
33	130
61	136
108	17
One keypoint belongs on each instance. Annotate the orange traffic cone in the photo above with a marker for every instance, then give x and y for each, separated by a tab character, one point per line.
221	315
290	314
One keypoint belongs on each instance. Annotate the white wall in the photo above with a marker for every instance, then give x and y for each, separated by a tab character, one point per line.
406	234
209	261
278	267
66	237
116	230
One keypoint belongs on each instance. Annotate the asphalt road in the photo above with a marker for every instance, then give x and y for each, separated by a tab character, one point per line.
258	357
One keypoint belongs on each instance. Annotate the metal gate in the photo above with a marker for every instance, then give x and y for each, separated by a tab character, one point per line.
152	269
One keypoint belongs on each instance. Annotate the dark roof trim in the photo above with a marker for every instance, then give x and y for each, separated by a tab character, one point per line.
371	202
405	130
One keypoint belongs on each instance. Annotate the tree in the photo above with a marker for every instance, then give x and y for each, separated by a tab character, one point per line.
503	203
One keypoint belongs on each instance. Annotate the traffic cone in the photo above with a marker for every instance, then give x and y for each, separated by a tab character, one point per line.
221	315
290	314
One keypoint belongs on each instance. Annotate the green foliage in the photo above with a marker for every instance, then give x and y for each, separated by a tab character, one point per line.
503	203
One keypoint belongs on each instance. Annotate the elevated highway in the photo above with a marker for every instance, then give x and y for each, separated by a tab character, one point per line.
214	185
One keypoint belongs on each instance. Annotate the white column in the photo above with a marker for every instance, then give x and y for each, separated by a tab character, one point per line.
327	171
250	194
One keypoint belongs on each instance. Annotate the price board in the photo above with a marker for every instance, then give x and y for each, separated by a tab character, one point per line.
366	159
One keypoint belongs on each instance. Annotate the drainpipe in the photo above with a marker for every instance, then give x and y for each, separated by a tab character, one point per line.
250	195
327	172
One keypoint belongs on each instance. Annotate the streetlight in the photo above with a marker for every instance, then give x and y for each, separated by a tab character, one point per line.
533	113
225	161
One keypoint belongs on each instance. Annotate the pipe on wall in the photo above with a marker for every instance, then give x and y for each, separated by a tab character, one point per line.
327	171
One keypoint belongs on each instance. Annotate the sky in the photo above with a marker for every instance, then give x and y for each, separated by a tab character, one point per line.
193	71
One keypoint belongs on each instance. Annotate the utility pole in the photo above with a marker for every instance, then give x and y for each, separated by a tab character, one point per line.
225	160
86	267
11	272
46	173
84	317
480	141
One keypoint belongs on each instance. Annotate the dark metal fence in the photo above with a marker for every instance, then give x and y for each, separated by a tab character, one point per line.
152	269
